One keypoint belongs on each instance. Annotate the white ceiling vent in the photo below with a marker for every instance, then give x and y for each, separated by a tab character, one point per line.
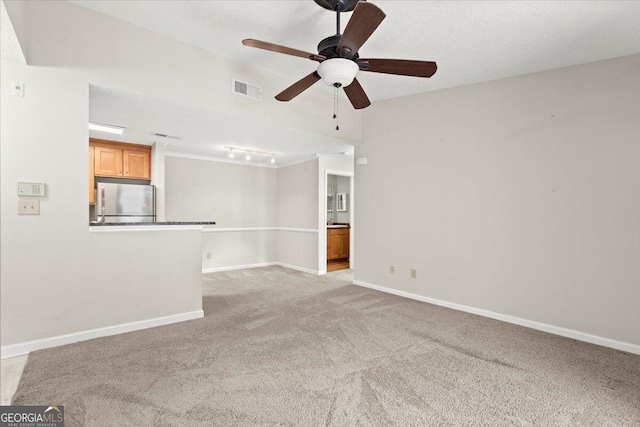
246	89
164	135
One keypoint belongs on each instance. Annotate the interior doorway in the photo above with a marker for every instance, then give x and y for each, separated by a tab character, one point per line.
339	221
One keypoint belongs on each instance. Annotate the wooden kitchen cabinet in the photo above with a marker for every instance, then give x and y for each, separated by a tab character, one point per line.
107	161
137	164
117	160
337	243
120	160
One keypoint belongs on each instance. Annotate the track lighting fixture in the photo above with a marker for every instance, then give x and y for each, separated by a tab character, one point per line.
249	152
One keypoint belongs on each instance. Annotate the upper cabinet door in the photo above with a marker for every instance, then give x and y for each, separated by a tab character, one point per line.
137	164
108	161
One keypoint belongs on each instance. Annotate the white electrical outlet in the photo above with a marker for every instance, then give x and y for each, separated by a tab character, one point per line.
392	269
414	273
28	207
299	254
208	255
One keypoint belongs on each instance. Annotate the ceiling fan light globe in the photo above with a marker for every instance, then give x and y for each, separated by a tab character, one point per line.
338	72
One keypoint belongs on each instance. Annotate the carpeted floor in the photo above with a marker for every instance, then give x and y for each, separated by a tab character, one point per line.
279	347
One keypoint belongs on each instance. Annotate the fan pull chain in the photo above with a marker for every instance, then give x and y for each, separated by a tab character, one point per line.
335	107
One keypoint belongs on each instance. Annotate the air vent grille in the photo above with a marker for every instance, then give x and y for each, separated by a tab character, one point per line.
246	89
164	135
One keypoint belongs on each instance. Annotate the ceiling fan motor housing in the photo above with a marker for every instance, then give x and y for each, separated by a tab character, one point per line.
338	72
344	5
327	48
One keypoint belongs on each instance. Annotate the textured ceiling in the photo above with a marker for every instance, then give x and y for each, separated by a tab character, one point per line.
9	45
472	41
203	132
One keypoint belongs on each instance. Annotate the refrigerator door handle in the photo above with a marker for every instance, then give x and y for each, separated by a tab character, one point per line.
103	206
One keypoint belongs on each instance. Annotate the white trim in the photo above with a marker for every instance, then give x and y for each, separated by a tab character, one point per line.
237	267
556	330
29	346
299	230
231	230
295	267
262	264
116	228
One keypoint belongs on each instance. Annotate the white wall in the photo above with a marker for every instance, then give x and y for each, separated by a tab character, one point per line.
158	178
57	277
343	185
518	196
298	209
238	197
49	260
340	184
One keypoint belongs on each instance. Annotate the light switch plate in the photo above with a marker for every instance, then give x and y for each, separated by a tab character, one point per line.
17	89
28	207
31	189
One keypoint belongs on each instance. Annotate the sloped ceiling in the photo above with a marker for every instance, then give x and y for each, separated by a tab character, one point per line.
472	41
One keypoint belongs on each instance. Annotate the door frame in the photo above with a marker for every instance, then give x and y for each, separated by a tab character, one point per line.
322	235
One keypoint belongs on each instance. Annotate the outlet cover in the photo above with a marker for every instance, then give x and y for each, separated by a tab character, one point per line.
208	255
28	207
414	273
392	269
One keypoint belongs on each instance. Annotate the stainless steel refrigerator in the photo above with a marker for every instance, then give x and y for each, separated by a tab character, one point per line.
125	203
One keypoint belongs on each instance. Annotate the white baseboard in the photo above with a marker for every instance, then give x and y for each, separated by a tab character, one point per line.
29	346
237	267
556	330
262	264
295	267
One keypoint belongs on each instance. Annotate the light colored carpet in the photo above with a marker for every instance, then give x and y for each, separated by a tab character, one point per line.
279	347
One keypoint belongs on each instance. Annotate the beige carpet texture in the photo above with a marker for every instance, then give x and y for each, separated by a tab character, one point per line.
282	348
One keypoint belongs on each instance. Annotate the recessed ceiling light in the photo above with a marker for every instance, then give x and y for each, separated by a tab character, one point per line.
248	157
273	160
106	128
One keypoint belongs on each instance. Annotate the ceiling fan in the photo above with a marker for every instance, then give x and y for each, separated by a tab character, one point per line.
338	54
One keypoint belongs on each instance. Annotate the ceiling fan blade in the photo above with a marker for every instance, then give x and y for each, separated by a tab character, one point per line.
364	21
282	49
402	67
356	95
298	87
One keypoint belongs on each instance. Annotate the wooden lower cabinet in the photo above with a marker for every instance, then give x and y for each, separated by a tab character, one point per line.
337	243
